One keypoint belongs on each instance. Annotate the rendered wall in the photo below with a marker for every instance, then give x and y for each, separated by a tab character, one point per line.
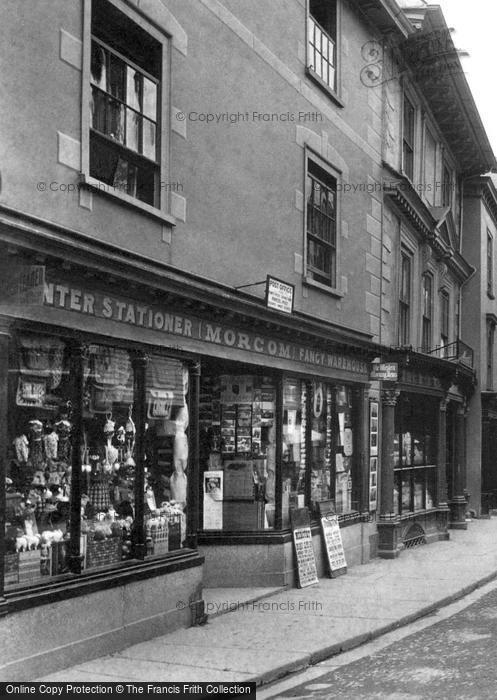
41	640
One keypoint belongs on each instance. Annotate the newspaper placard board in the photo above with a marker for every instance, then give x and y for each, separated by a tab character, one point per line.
304	551
330	528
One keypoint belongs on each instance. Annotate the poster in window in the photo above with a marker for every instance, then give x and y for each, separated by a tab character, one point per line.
213	500
373	428
347	442
373	452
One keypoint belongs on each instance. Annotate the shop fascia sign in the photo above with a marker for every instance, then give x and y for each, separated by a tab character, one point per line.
384	371
159	319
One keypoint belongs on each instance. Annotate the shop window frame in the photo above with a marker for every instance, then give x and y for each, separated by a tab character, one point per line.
140	565
280	532
409	472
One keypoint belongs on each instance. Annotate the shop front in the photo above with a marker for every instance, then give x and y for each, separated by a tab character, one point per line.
272	442
423	464
96	430
147	429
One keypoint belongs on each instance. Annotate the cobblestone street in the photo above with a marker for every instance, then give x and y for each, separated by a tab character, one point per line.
450	659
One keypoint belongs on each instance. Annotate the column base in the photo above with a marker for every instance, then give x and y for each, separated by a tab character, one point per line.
457	520
389	541
424	527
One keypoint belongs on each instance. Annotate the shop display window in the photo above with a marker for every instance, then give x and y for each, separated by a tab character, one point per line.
415	461
332	446
41	442
108	464
167	448
38	480
293	450
237	416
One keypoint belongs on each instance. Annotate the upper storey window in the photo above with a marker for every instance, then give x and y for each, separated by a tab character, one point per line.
125	76
322	41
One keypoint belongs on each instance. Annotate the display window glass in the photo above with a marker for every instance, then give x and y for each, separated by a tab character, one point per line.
38	479
40	457
293	449
108	460
331	453
167	451
237	420
415	442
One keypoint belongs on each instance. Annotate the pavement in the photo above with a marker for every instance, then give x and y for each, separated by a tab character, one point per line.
264	634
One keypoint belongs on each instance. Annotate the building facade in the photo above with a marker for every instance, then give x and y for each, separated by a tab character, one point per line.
433	143
161	416
479	317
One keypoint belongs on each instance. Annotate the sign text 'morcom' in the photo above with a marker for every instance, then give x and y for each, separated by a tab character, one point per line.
156	318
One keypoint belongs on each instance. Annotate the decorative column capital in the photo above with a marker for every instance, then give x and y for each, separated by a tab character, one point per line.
389	397
444	402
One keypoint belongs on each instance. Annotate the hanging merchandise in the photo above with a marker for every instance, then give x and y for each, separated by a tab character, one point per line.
110	376
130	435
42	357
21	446
111	452
63	427
164	387
35	444
51	442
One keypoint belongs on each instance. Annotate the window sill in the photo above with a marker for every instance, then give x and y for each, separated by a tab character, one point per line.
410	467
94	580
413	514
98	187
324	87
332	291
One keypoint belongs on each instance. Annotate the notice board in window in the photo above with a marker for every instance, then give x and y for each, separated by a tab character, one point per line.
332	538
304	551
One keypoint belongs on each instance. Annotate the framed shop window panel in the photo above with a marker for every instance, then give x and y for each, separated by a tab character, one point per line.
237	422
373	428
373	454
